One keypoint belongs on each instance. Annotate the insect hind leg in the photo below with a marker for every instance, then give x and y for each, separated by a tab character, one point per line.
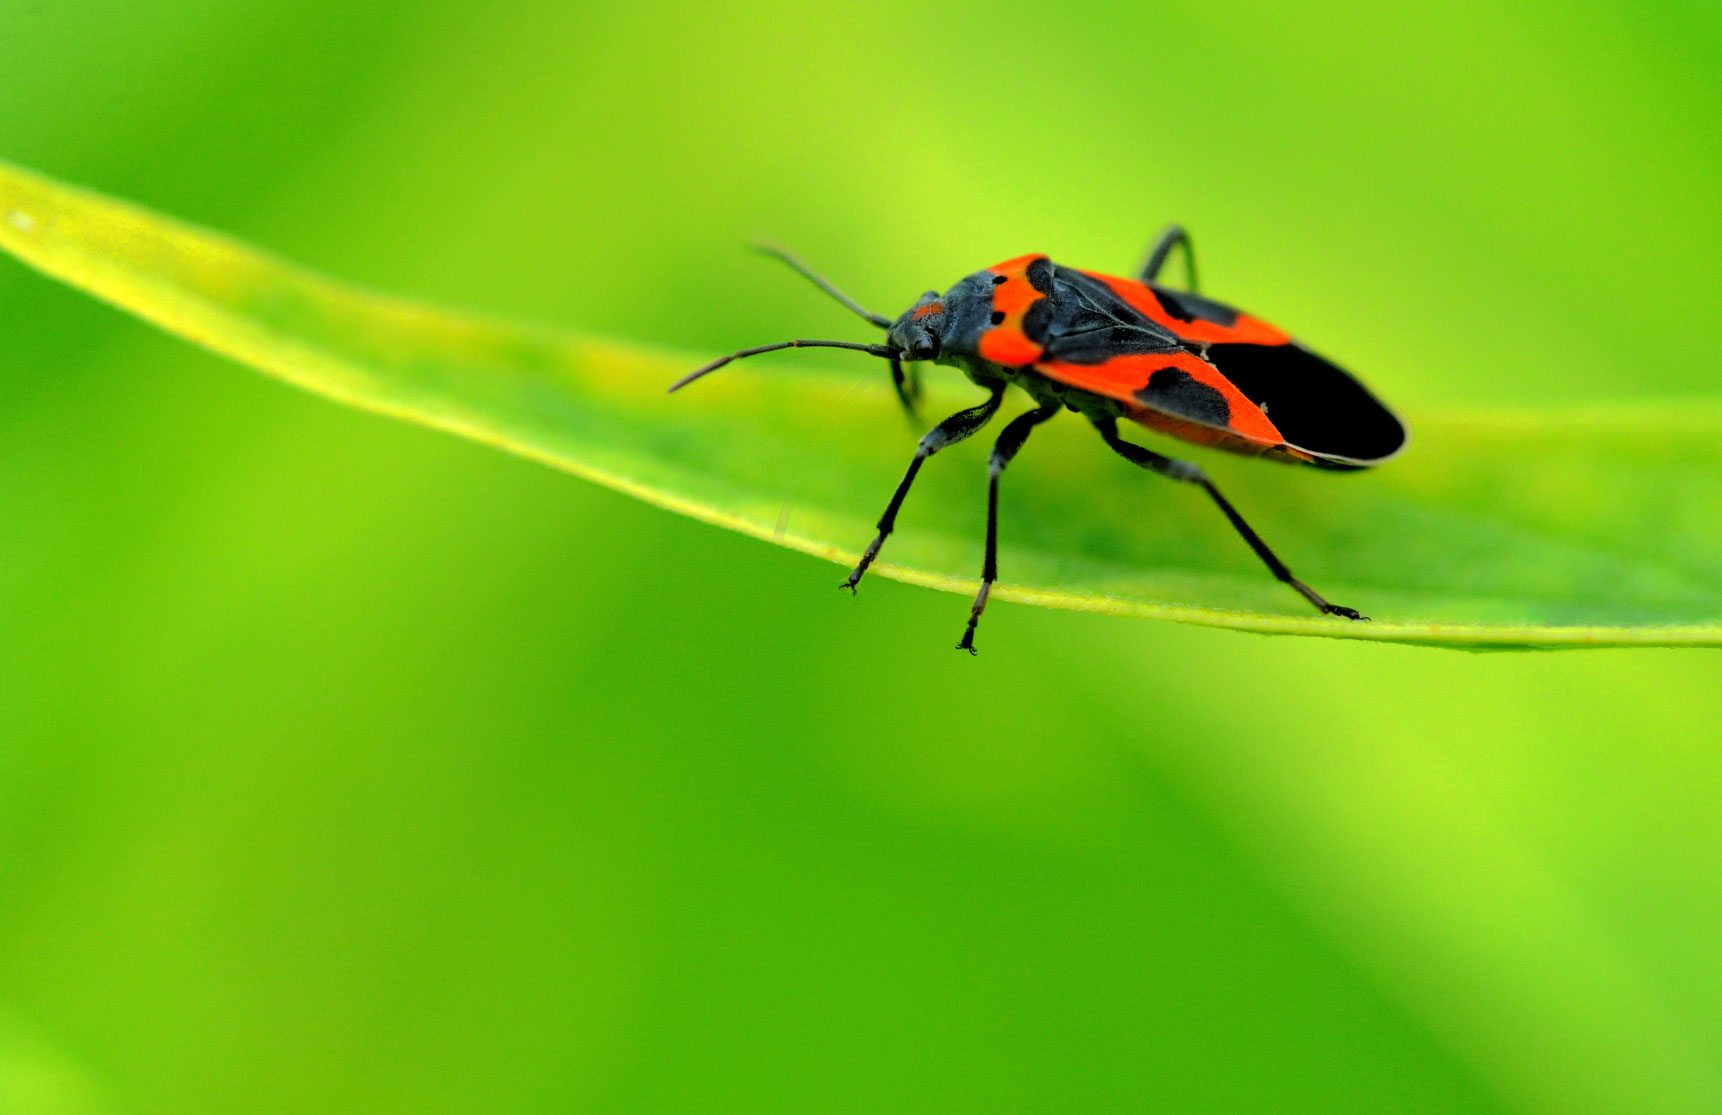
1190	474
1171	237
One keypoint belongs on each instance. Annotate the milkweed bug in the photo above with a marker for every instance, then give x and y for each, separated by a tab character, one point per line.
1110	348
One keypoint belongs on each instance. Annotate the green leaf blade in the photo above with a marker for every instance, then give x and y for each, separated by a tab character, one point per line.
1583	528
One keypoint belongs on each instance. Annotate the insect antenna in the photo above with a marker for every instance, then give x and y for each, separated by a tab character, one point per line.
822	283
883	351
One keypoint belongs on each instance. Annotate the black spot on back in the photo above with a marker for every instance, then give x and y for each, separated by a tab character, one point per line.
1040	275
1175	391
1187	306
1037	320
1173	307
998	317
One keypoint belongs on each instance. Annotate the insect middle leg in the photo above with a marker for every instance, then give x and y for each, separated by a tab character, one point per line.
1003	451
1170	238
952	430
1190	474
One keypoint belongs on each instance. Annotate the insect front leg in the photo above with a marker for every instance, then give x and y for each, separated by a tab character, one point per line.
1173	236
908	389
952	430
1003	451
1190	474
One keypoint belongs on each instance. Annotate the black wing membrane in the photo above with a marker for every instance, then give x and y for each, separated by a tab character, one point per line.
1316	405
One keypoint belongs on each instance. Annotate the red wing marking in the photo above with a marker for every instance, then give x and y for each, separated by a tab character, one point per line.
1125	378
1005	343
1246	330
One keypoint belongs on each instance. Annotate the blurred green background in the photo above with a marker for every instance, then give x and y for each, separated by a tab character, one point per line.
345	766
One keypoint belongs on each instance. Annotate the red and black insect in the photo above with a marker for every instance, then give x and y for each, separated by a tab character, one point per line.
1110	348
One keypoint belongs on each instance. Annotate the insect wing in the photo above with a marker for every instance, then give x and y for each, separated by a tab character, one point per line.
1319	412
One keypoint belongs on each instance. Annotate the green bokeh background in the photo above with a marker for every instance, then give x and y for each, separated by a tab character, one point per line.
345	766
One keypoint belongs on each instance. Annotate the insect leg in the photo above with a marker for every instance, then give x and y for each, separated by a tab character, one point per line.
908	390
1170	238
1190	474
952	430
1003	450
